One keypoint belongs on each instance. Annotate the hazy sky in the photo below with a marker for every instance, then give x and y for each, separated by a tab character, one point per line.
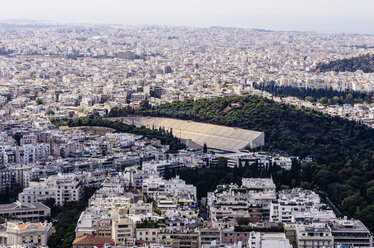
353	16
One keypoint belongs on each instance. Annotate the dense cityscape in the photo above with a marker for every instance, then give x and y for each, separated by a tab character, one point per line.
82	163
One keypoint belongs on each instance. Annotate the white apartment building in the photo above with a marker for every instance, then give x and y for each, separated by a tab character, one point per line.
147	234
284	162
169	193
68	188
315	235
137	178
252	199
153	185
28	139
123	229
265	185
295	204
62	187
177	186
103	210
37	192
28	153
268	240
351	233
28	212
94	221
140	208
158	167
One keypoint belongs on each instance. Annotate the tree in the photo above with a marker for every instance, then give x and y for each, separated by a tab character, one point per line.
323	100
39	101
362	62
370	193
366	215
205	148
349	98
336	100
67	219
222	162
145	104
10	194
157	211
351	203
167	173
49	112
17	137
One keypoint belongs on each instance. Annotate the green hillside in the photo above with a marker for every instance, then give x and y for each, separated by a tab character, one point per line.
363	62
343	150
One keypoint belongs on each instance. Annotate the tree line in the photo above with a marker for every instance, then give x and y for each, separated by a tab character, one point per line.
67	217
325	96
364	62
206	179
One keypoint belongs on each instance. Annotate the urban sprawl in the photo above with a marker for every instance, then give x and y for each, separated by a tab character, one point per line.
67	72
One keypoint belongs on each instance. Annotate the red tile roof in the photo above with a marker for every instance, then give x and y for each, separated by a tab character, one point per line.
90	240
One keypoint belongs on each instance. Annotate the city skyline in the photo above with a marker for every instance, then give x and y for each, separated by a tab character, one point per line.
317	16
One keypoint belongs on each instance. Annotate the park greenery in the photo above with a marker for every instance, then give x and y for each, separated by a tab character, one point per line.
163	135
343	150
363	62
324	96
206	179
10	194
39	101
66	218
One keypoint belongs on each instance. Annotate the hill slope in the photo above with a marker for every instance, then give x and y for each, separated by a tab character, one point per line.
343	150
363	62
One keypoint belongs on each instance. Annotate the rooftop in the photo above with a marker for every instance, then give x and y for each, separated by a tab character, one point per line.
22	206
29	226
90	240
